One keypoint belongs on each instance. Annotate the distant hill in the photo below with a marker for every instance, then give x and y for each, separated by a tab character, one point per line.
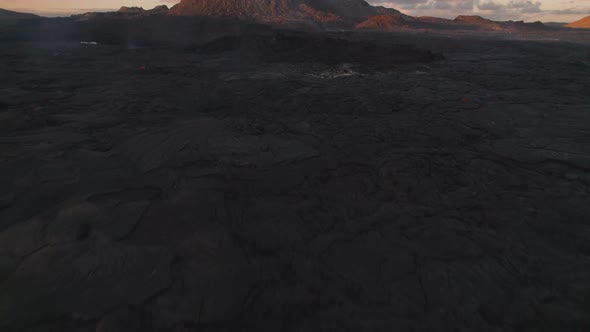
131	10
555	24
580	24
162	9
384	23
478	21
7	16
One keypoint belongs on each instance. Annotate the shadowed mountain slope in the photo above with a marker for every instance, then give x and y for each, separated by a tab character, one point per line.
7	16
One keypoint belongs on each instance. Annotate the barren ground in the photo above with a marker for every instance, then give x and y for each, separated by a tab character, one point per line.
172	189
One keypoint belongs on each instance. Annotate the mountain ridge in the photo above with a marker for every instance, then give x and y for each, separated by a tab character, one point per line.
9	14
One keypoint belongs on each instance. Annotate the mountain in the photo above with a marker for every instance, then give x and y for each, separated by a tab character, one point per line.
327	12
7	16
347	14
580	24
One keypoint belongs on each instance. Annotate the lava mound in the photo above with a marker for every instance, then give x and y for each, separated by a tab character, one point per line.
292	47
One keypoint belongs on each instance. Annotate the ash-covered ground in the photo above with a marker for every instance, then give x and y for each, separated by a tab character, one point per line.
295	182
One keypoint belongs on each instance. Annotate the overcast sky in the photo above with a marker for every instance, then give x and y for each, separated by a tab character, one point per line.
528	10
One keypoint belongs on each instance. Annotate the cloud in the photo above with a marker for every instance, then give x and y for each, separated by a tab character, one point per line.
513	6
442	5
525	6
490	5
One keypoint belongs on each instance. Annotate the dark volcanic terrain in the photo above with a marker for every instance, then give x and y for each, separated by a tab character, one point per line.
233	177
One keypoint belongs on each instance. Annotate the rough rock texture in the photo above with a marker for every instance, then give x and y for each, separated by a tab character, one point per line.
219	188
125	319
81	281
303	48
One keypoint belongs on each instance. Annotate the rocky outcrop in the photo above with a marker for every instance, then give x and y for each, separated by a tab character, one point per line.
478	22
384	22
133	11
129	10
160	9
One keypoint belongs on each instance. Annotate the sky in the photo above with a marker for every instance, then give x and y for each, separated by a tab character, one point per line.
527	10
